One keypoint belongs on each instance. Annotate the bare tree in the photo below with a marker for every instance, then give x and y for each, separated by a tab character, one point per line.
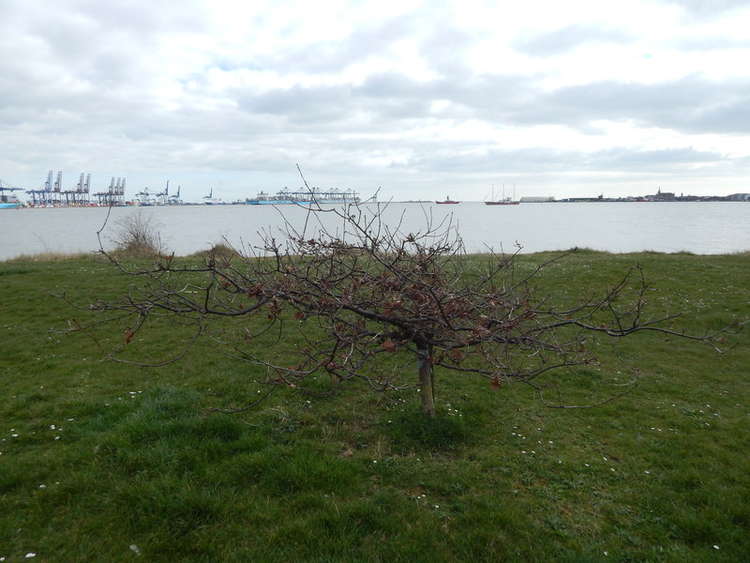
365	296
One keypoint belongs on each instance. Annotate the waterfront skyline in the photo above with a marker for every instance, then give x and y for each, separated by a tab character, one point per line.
570	100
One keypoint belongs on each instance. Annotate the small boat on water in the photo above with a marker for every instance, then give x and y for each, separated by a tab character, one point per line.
447	201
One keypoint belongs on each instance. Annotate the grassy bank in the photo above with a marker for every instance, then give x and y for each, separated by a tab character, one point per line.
104	461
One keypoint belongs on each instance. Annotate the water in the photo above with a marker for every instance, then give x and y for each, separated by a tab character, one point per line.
702	228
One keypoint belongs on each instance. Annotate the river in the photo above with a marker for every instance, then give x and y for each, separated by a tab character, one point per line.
698	227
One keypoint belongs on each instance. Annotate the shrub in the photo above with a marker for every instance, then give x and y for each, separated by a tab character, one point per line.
137	237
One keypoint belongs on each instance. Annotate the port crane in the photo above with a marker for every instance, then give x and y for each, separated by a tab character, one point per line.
162	198
174	199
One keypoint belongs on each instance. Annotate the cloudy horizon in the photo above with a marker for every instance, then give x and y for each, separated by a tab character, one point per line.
422	99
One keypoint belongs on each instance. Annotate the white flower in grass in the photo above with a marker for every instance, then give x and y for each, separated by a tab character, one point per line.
30	555
716	546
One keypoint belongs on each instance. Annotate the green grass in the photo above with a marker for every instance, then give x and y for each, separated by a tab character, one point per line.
99	456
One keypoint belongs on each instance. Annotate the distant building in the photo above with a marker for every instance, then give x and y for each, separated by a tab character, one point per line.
537	199
661	196
738	197
599	198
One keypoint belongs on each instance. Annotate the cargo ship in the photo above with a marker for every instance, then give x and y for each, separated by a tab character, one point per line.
305	197
9	200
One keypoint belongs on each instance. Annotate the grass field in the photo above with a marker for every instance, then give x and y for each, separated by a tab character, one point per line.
102	461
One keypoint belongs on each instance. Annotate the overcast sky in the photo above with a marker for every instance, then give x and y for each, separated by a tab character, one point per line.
573	98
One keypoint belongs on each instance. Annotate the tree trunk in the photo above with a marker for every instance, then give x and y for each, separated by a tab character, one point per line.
426	379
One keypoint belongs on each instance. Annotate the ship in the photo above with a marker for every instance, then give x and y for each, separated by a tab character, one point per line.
304	196
504	200
447	201
211	200
9	200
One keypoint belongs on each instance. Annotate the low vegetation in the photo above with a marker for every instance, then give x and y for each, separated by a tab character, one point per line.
137	236
220	251
107	460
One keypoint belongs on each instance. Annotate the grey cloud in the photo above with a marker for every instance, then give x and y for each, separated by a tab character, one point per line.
90	66
650	160
444	50
143	18
441	45
104	43
692	104
556	161
394	85
483	94
303	104
708	7
567	39
335	55
711	44
384	99
729	117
